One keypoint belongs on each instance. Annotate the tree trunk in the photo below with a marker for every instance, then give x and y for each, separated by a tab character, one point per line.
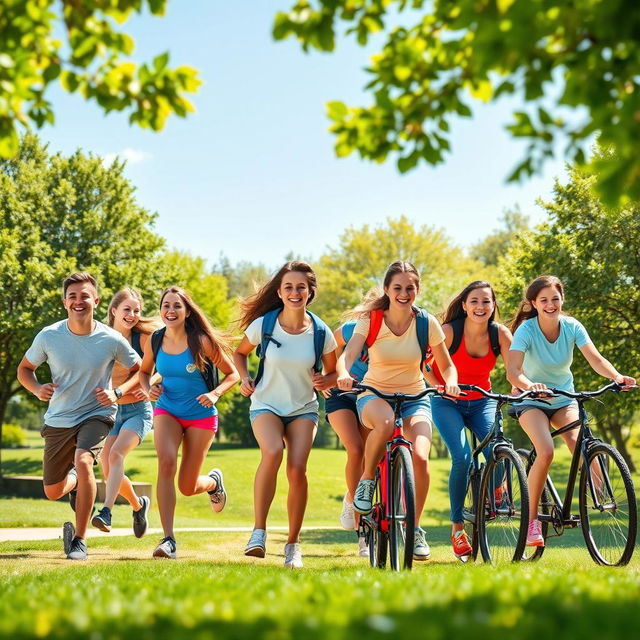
4	400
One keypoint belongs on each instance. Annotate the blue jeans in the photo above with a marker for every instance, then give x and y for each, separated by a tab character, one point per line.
450	419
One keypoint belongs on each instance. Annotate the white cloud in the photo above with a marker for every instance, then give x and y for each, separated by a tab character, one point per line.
132	156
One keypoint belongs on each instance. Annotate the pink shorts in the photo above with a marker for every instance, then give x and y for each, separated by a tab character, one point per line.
210	423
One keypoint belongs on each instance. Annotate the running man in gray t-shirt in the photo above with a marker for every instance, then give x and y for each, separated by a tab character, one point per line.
80	353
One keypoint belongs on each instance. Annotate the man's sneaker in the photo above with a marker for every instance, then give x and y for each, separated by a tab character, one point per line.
166	549
68	534
257	545
292	556
102	520
347	517
140	522
421	550
364	496
363	547
534	534
461	547
74	492
77	550
217	497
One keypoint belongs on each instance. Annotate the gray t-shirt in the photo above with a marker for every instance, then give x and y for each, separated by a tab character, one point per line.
78	365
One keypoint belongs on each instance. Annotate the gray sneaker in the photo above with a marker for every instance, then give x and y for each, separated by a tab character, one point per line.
68	534
292	556
362	501
140	522
257	545
217	497
77	550
421	550
166	549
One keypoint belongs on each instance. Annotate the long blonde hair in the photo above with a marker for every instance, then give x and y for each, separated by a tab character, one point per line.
144	325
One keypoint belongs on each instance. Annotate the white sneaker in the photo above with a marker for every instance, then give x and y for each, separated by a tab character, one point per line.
363	547
217	497
292	556
362	501
421	549
348	516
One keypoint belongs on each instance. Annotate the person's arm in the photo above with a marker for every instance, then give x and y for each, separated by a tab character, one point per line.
240	355
333	376
515	373
107	397
327	379
603	367
346	360
131	386
223	362
504	340
27	378
447	369
150	387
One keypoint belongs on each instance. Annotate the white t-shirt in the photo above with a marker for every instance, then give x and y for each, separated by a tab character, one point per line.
285	387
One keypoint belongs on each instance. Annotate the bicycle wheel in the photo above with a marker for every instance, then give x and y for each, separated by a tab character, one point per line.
532	554
503	508
377	538
469	510
608	511
403	510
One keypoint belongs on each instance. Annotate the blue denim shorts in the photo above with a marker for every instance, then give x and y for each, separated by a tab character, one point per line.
136	417
312	415
336	402
408	409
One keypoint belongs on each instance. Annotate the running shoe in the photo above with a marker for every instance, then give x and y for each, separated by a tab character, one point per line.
363	547
68	534
534	534
217	497
421	549
362	501
348	516
461	547
140	522
102	520
77	550
166	549
292	556
257	545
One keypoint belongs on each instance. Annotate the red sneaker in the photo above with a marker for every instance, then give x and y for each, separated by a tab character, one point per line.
461	546
534	535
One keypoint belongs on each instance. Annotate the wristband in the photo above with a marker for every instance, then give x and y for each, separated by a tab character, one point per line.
117	393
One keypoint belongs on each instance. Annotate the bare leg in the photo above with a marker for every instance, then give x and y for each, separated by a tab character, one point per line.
195	445
299	436
167	436
377	416
345	423
83	462
117	482
418	430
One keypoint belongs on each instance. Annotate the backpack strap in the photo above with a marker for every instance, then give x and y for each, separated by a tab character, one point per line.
494	337
457	325
135	343
319	337
156	341
375	322
268	324
422	329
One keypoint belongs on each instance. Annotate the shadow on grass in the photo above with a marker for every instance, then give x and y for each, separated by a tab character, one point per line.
22	467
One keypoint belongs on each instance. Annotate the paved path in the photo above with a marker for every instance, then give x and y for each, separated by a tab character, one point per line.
51	533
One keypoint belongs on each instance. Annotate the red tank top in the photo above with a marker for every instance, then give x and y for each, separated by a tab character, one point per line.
471	370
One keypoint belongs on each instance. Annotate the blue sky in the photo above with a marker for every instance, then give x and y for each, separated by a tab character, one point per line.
253	174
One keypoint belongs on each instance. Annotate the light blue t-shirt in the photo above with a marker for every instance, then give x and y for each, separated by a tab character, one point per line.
79	364
550	362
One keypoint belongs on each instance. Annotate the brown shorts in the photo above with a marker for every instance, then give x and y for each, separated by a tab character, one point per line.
60	444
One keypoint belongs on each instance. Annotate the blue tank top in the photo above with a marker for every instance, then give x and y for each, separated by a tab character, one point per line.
182	383
359	368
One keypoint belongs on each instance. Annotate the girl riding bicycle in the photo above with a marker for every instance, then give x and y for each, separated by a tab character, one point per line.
474	340
395	365
540	358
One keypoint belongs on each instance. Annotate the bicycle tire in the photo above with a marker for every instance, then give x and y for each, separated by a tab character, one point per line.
402	503
469	509
502	526
610	534
533	554
377	538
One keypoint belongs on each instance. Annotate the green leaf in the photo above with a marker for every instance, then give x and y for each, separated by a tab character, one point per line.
9	142
336	111
160	62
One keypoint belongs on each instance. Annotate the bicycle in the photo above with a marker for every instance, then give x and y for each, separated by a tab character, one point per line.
606	495
390	523
499	529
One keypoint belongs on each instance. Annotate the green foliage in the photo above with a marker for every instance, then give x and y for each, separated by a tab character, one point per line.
495	244
575	64
243	277
13	436
363	255
595	251
79	45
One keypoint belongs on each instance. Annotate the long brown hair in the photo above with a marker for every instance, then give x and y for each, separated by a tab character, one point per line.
197	327
455	309
266	298
377	298
526	309
144	325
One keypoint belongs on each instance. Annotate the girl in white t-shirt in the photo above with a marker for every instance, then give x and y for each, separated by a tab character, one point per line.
284	407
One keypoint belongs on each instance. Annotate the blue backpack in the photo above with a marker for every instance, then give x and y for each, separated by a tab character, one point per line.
268	324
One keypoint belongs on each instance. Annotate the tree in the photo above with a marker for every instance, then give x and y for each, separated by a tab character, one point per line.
242	277
595	251
57	215
92	58
363	255
493	246
575	63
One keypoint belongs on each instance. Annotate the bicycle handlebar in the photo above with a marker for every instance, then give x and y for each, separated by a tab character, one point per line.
507	398
583	395
393	397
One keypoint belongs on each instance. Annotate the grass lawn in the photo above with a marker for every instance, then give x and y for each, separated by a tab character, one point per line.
214	591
